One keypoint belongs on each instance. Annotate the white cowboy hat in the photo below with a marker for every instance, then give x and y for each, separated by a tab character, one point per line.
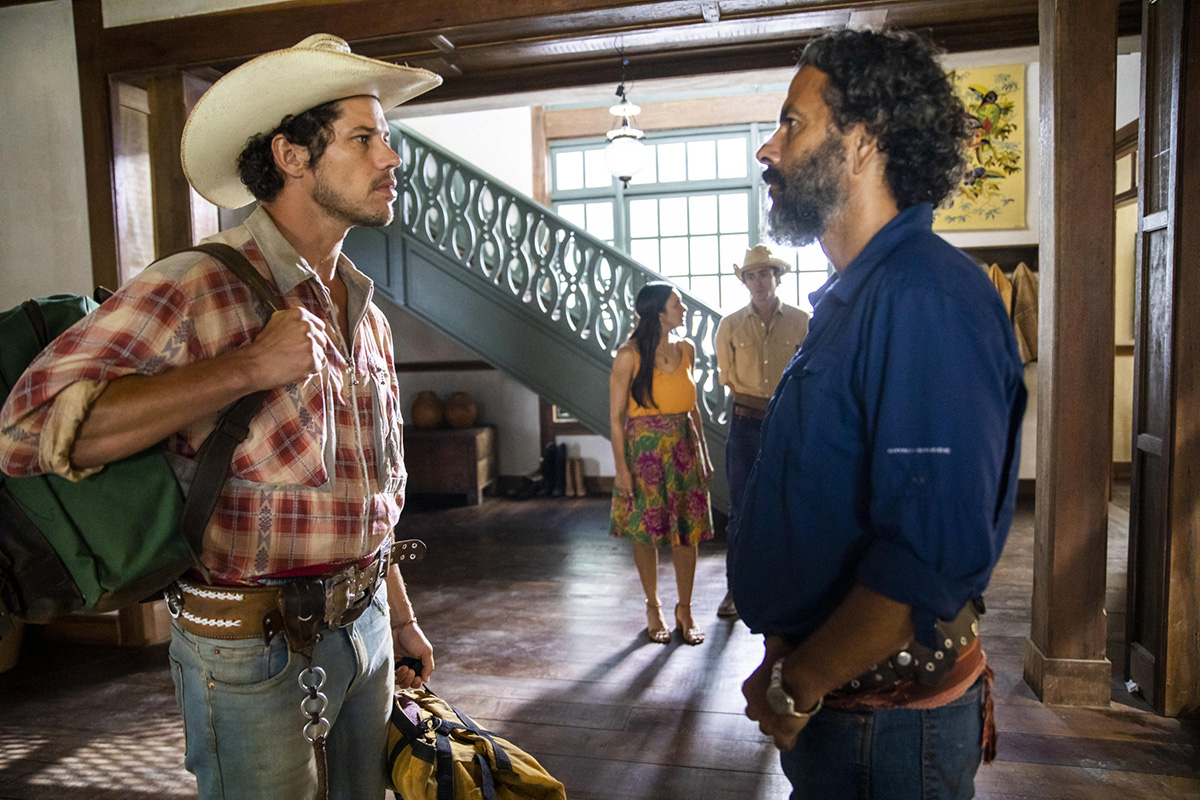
759	256
255	97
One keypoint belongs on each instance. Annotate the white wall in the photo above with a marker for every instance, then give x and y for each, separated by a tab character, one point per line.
44	245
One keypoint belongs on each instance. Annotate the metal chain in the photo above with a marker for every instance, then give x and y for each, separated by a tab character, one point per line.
313	705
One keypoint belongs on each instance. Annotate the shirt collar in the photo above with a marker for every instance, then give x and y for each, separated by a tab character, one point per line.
847	285
289	269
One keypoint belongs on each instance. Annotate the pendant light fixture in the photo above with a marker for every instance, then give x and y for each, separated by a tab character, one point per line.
625	153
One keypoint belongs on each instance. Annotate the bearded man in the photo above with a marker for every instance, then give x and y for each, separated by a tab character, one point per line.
886	480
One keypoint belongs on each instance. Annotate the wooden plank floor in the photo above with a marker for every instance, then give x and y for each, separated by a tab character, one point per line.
539	629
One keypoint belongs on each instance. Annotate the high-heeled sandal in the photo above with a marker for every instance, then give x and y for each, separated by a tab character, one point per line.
656	626
692	634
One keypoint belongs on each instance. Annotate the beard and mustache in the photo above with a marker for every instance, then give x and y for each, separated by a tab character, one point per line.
808	197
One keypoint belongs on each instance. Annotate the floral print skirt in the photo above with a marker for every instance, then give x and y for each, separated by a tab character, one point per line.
670	500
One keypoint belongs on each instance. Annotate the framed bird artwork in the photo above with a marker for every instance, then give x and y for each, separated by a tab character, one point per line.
992	193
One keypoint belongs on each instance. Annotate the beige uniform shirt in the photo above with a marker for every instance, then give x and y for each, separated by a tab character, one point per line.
751	356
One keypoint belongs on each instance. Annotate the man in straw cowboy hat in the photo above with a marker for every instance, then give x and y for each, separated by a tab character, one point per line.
886	481
754	344
316	489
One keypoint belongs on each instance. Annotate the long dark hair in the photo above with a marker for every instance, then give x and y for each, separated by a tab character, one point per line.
651	301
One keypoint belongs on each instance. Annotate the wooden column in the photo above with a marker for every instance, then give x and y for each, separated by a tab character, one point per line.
171	97
1065	661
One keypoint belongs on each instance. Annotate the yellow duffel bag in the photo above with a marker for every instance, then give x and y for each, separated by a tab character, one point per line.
435	752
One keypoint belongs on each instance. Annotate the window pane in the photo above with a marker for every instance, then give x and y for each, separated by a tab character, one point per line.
672	162
733	293
704	255
572	213
735	212
707	291
648	173
702	214
600	220
673	216
811	257
674	256
809	282
568	170
643	218
702	160
596	172
733	250
645	252
731	158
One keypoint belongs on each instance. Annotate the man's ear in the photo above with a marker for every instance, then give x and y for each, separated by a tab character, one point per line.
862	150
291	159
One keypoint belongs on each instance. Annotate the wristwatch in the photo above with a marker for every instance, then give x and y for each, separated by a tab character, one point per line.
780	701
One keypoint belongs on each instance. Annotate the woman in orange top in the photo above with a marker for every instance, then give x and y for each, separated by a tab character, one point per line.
663	470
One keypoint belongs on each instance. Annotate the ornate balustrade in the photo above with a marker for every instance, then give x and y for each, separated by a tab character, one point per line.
573	282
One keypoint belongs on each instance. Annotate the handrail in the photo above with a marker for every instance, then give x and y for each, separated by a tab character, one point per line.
578	285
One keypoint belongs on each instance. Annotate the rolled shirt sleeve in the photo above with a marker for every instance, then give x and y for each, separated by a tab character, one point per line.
143	329
938	394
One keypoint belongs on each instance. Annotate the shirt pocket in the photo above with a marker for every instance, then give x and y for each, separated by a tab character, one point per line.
387	423
291	438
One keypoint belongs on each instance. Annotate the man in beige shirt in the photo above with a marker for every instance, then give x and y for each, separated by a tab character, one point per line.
754	345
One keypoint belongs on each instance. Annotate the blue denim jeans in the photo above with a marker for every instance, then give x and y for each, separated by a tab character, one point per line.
242	719
741	448
898	754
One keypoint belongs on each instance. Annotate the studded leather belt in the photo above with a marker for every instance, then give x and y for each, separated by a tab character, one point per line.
258	612
915	662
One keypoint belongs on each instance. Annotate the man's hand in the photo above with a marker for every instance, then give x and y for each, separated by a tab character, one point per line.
408	641
783	730
293	346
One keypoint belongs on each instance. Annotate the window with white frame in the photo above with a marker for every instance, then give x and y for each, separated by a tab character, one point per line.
689	215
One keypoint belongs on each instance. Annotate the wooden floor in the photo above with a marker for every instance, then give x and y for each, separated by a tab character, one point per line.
539	630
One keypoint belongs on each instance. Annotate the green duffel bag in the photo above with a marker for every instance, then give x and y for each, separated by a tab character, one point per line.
121	535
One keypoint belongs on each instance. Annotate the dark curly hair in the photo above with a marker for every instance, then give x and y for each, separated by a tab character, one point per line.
890	82
312	129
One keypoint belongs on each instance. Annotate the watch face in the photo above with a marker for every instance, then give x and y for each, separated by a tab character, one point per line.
779	700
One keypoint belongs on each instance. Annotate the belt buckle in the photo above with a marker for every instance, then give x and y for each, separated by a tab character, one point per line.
348	592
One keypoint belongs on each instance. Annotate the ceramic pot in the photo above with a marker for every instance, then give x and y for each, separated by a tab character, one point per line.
461	411
426	411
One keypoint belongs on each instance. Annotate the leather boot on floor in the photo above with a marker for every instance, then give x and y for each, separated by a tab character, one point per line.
549	459
560	471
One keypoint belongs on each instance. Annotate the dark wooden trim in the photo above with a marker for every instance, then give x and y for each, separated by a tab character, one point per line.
172	195
1122	470
442	366
97	127
1125	140
1123	350
1129	196
1007	256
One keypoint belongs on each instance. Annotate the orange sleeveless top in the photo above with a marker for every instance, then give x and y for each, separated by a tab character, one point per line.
674	392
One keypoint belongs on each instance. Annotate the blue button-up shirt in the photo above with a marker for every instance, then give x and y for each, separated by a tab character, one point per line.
890	449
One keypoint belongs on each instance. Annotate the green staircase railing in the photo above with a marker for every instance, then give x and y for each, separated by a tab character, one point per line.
531	293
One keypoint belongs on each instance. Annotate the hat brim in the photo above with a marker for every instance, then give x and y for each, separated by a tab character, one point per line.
255	97
777	263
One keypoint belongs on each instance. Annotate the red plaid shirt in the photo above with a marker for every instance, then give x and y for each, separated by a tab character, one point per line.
321	477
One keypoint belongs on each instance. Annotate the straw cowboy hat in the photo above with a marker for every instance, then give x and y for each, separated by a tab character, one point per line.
758	257
255	97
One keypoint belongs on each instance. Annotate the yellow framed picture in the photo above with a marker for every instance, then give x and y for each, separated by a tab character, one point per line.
992	193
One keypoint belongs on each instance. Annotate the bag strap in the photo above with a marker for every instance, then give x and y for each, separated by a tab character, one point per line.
233	426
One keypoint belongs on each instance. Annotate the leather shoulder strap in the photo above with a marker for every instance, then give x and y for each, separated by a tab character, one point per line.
238	265
233	426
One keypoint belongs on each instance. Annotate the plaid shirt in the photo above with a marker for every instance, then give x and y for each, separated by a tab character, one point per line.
321	477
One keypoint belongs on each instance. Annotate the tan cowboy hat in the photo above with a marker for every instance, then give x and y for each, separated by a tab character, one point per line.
759	256
255	97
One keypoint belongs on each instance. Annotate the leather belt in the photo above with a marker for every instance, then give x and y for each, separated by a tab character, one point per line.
745	411
751	401
915	662
260	612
